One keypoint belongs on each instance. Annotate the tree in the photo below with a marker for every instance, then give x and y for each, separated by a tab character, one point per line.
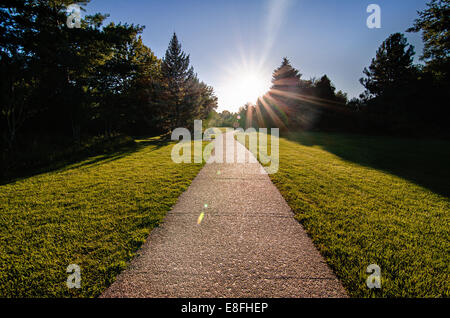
279	107
62	81
398	92
325	89
247	117
326	92
285	77
116	74
208	101
391	68
177	75
434	22
16	91
144	91
341	97
185	97
61	85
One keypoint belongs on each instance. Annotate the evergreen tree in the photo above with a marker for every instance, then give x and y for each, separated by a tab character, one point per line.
185	97
325	89
281	108
341	97
178	76
391	68
285	77
434	22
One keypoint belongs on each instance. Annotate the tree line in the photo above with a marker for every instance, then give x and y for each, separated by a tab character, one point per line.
400	97
61	86
60	83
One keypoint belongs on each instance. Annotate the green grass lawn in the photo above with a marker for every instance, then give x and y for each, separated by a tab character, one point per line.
363	200
95	213
373	200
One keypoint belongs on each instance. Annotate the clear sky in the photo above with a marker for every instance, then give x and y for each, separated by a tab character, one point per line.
236	44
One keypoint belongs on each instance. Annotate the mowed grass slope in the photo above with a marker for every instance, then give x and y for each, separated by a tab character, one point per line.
363	201
95	214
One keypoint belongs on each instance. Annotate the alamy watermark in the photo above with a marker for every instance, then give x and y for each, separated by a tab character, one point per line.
374	19
374	279
221	151
74	18
74	279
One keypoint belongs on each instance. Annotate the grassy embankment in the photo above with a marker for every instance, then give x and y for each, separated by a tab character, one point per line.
373	200
95	213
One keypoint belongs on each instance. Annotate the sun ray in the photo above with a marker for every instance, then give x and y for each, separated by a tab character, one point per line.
249	118
310	99
259	116
279	105
278	122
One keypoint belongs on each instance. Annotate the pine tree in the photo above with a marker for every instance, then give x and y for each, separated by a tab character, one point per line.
282	105
185	96
391	68
178	76
286	78
325	89
434	22
175	66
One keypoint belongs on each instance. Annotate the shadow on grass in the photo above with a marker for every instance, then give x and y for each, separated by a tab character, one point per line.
88	158
424	162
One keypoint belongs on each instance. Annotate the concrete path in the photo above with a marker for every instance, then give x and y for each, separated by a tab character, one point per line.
247	245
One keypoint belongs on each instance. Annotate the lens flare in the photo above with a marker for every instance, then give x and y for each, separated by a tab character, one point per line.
200	218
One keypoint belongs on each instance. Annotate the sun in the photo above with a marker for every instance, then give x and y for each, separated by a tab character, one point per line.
246	87
250	86
243	86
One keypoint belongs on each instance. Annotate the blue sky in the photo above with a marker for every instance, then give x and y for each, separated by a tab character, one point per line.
234	42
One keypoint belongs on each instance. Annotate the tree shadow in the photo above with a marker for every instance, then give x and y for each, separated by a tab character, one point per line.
421	161
90	158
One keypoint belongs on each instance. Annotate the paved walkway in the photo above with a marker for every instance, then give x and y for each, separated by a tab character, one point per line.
247	245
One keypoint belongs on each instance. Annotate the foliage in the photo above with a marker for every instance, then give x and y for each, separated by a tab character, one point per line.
293	103
434	22
94	80
223	119
285	77
401	98
392	68
186	98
